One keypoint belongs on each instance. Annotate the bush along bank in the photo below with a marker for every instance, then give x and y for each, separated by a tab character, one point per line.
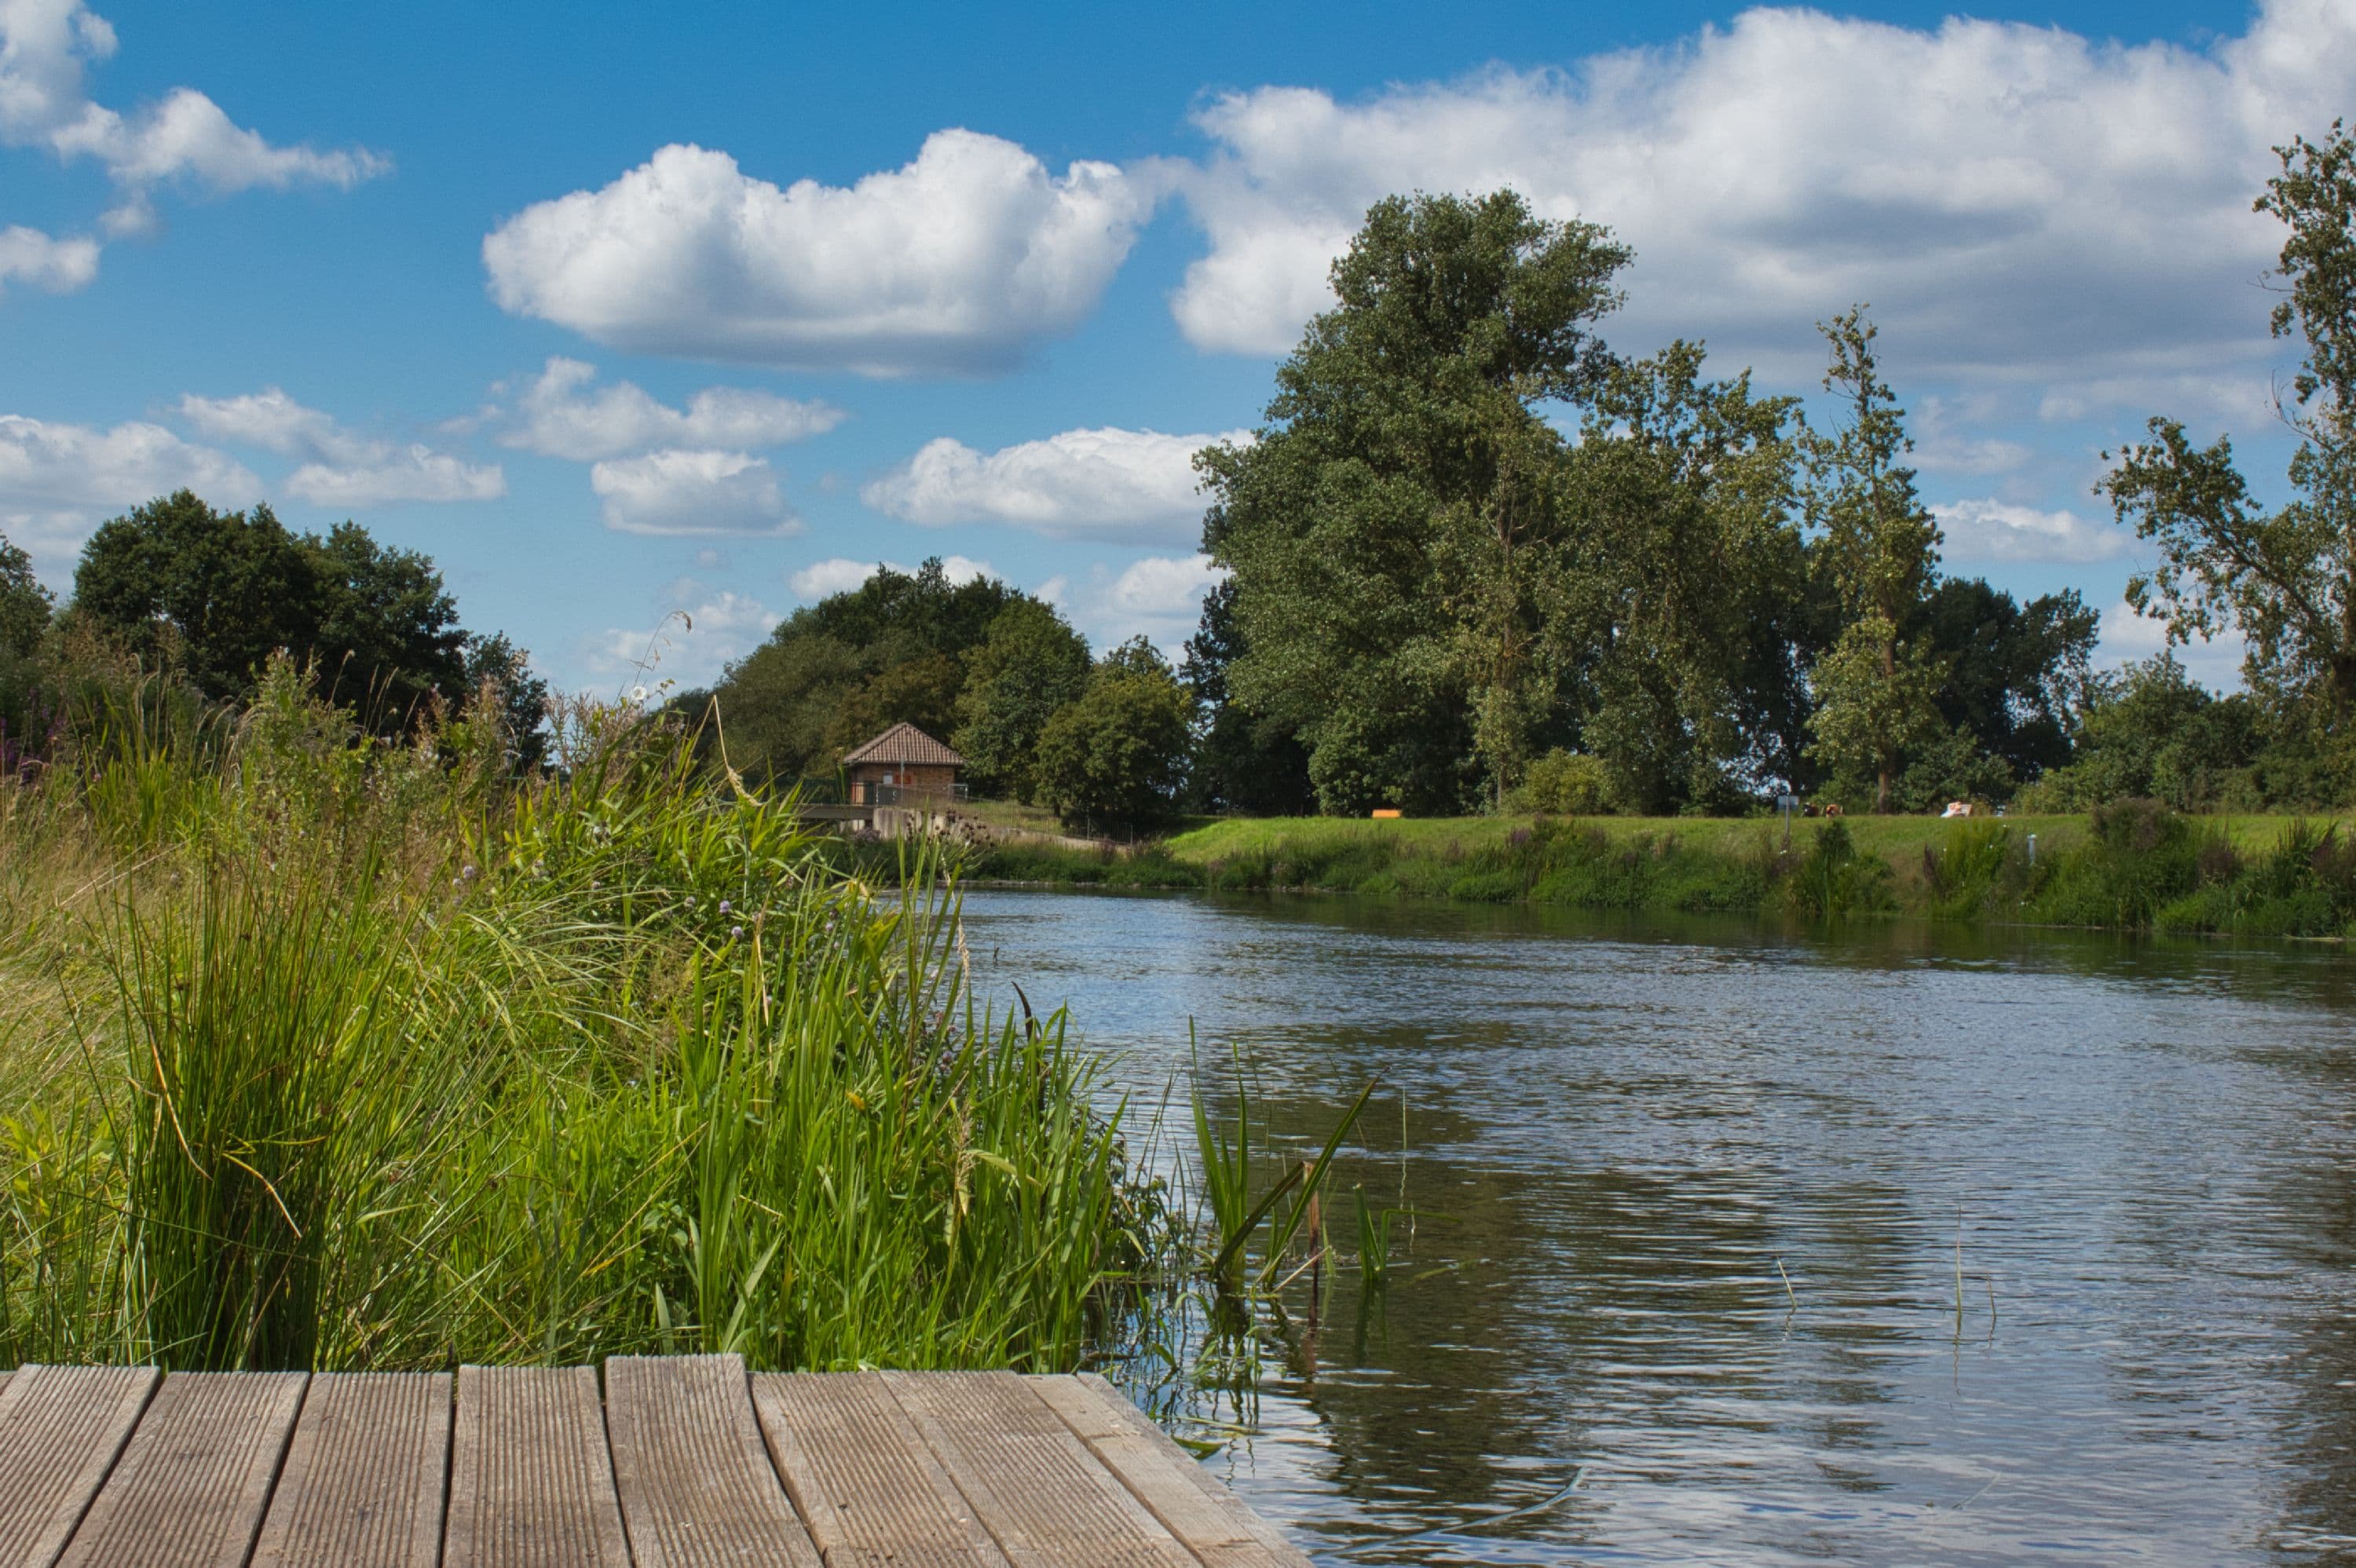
2131	865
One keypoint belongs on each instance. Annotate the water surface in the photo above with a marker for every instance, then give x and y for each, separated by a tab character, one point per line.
1616	1132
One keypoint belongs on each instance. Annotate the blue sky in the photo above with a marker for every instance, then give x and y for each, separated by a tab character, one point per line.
621	310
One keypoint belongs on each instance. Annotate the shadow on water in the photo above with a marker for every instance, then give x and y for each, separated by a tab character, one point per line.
1624	1136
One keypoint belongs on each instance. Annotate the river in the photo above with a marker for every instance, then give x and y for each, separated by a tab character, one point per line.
1622	1138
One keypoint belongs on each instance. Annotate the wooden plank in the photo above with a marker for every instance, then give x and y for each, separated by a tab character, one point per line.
60	1430
697	1487
191	1486
531	1484
363	1485
1043	1498
861	1477
1215	1523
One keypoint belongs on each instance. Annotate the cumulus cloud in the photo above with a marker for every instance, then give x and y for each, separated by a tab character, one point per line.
60	266
46	47
58	480
1132	486
683	492
2016	200
698	632
954	262
416	474
2000	531
270	420
561	415
345	467
1164	588
822	579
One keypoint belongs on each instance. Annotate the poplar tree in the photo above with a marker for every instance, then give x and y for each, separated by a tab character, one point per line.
1876	689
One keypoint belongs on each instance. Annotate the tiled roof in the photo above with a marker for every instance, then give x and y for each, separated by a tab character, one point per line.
905	744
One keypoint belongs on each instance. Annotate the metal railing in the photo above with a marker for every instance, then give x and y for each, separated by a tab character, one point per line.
917	795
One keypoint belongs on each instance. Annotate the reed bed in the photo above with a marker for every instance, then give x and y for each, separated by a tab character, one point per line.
321	1051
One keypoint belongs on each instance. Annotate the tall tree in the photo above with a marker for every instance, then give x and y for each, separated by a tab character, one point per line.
387	636
1378	560
1878	546
1244	762
2285	578
219	592
1031	665
24	604
1116	757
1672	617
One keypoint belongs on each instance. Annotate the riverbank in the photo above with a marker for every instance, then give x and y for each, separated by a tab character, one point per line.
2133	866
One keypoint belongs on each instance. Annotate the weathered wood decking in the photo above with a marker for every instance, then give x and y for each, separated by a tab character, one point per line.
684	1462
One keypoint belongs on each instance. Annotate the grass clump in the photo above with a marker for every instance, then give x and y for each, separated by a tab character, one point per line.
321	1051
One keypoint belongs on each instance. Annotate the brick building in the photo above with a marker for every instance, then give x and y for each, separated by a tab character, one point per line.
903	758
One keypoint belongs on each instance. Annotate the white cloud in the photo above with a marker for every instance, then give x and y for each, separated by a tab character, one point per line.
60	266
344	468
701	631
1131	487
44	45
272	419
954	262
560	416
58	480
73	465
840	574
2125	635
677	492
417	473
2000	530
2015	200
1161	586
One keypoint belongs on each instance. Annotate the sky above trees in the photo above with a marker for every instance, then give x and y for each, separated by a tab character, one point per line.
617	315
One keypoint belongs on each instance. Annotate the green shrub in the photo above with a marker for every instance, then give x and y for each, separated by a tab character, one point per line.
1565	783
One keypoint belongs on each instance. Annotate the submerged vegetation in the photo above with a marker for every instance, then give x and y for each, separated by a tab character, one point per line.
323	1050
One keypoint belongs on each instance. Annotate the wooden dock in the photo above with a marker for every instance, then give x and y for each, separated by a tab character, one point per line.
678	1462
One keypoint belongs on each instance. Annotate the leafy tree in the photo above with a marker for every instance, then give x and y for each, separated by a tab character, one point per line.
1117	756
1671	616
778	705
920	692
219	591
2016	674
1031	663
2285	578
1381	526
1244	762
494	665
24	603
2150	730
384	621
1879	547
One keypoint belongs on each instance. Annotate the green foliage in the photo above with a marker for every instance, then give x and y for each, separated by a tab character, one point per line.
1244	762
1117	756
2285	578
1390	527
2150	730
1878	547
348	1054
833	674
1568	784
24	604
1031	665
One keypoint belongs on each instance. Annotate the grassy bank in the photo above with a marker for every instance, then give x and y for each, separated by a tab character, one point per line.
317	1052
2133	866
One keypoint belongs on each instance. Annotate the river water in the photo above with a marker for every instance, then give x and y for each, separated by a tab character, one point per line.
1621	1139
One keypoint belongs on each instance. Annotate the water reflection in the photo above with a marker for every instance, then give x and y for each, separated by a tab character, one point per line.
1624	1138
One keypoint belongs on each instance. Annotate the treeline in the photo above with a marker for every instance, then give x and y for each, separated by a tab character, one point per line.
191	603
997	673
1478	557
